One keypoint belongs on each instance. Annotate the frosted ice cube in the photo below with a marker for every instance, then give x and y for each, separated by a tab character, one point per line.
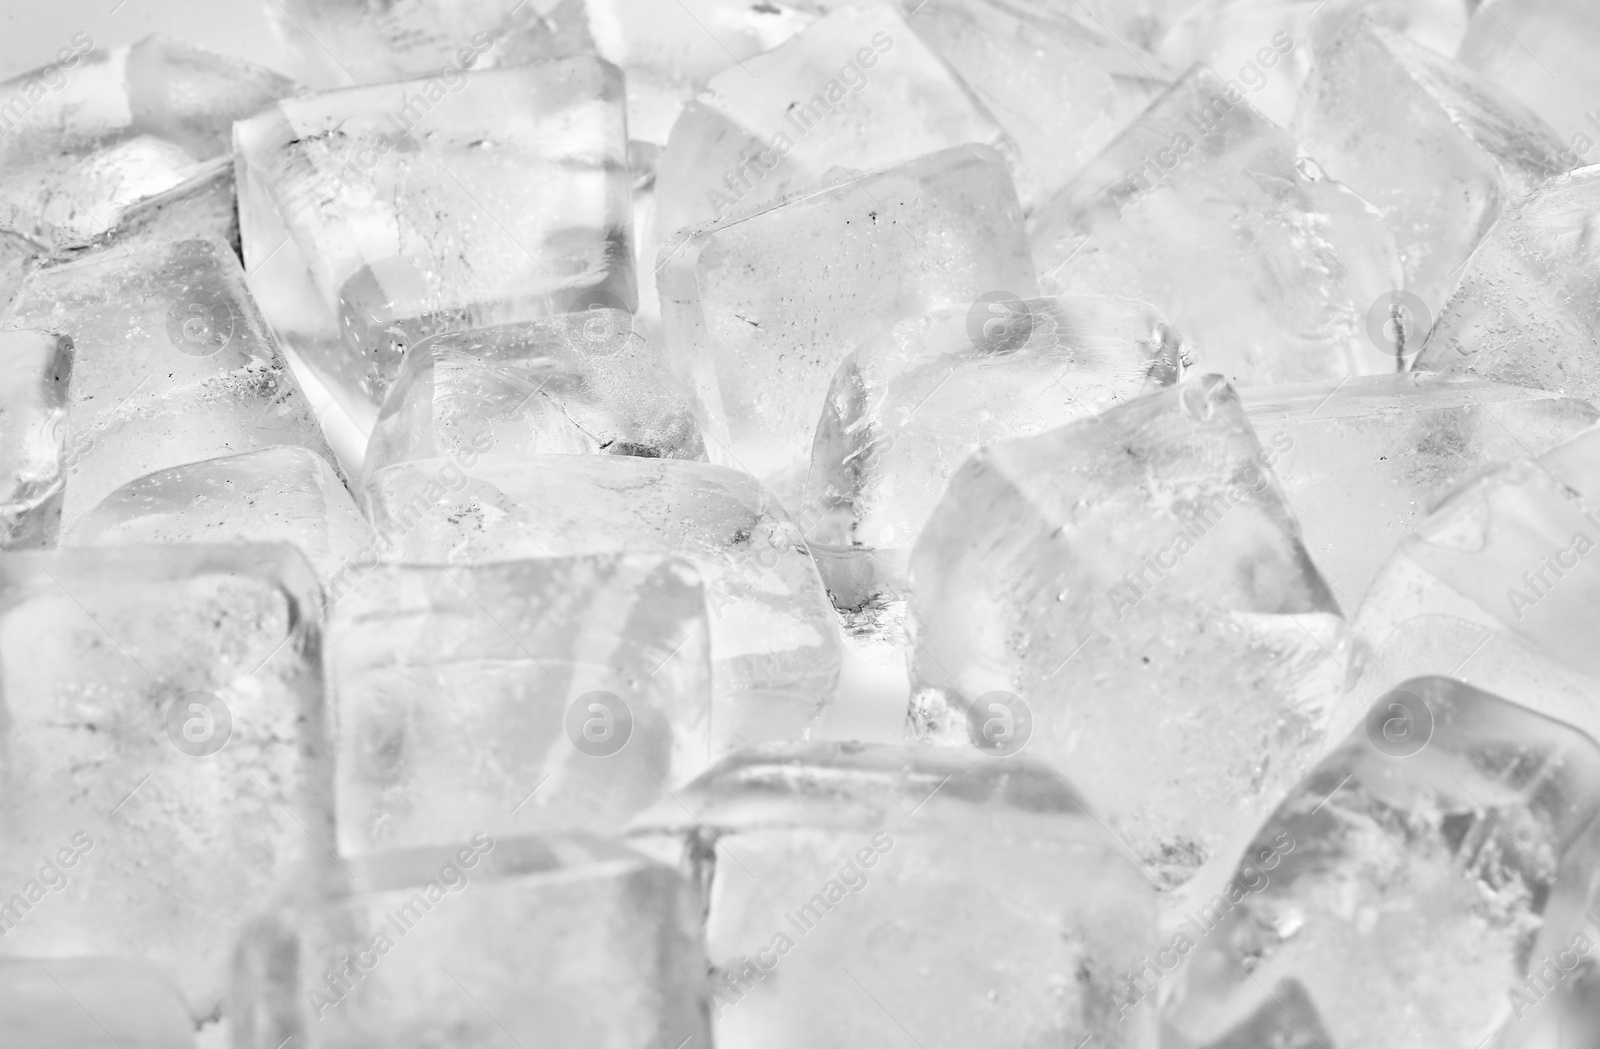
167	768
171	362
904	411
1134	590
836	268
1409	883
379	215
853	92
557	941
1207	210
341	43
585	383
97	132
1362	460
91	1003
1440	150
1059	86
1512	547
926	896
774	637
470	697
283	494
1542	51
1527	308
35	367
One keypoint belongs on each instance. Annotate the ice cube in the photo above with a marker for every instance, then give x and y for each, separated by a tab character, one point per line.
905	410
283	494
97	132
171	362
1131	592
1511	547
1439	149
670	51
929	897
1525	310
1409	884
91	1003
1239	37
1361	460
379	215
584	383
522	695
1059	86
167	768
1542	52
853	92
1207	210
555	941
774	637
342	43
35	367
760	312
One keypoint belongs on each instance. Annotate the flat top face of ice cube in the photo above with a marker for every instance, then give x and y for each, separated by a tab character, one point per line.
420	615
1176	452
562	854
583	382
384	185
176	312
597	504
858	784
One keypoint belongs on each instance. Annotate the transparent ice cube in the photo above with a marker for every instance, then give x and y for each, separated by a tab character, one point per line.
1209	211
556	941
100	131
375	216
516	696
927	896
834	269
1409	883
774	637
1128	597
168	766
905	410
172	363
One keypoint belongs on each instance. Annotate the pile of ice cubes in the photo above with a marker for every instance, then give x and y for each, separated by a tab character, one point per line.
655	524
